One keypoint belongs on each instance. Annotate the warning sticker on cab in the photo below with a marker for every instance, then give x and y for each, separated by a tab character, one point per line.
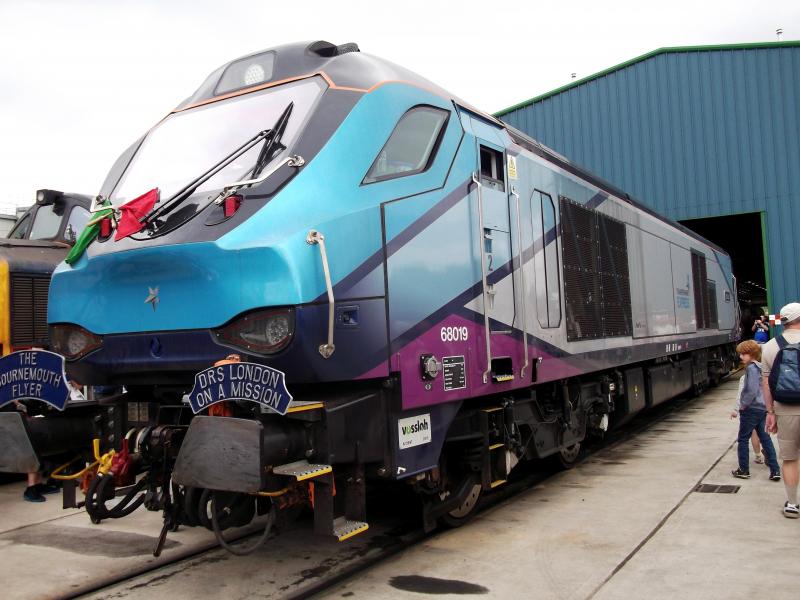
512	167
414	431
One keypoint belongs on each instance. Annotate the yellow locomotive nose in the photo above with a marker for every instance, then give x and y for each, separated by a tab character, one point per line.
5	309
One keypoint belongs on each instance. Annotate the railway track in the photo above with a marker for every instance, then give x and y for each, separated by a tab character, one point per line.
303	573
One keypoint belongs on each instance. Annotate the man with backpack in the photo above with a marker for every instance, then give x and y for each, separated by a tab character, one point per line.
781	385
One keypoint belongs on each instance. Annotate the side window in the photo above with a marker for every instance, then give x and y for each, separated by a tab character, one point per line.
78	218
551	261
412	145
21	228
545	260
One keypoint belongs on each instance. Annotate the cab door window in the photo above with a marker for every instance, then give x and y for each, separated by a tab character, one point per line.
492	168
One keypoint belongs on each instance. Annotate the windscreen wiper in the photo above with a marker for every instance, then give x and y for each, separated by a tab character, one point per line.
190	187
271	138
272	146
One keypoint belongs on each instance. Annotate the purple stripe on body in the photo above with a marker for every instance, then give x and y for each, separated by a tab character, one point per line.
418	392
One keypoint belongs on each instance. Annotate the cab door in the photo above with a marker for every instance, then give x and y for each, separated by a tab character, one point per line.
502	353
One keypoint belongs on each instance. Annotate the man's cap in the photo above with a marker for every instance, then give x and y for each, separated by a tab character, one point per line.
790	313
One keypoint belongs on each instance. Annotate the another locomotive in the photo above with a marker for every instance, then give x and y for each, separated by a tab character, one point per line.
35	245
445	296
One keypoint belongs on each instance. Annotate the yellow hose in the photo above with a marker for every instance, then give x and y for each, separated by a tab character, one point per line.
57	473
273	494
104	461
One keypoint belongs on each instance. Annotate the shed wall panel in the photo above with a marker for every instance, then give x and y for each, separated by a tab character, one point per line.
692	134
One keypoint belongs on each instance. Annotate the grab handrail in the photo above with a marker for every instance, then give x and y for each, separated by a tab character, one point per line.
315	237
521	253
476	180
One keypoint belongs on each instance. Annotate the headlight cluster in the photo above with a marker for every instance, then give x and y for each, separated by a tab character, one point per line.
72	341
261	332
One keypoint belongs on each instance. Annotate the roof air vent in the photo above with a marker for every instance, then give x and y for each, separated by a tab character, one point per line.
328	50
345	48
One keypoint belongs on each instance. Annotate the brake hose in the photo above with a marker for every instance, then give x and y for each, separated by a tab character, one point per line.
95	499
233	549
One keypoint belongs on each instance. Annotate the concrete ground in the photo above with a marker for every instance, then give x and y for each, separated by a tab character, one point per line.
49	553
623	524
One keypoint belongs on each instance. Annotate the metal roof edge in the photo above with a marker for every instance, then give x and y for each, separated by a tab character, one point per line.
643	57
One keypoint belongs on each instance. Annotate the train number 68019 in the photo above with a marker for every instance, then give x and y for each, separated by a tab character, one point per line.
454	334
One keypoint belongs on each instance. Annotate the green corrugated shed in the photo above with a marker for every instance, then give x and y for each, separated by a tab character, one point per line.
692	132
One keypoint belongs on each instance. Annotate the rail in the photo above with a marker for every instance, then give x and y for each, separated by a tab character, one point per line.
521	252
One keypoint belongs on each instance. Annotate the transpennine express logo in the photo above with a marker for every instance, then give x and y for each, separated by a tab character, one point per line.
240	381
33	375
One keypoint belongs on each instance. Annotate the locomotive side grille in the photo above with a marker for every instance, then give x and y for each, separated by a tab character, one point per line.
702	311
29	309
595	265
711	304
580	268
614	276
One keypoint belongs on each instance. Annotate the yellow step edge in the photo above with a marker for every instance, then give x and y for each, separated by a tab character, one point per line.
494	408
497	483
305	407
305	476
496	446
361	529
503	378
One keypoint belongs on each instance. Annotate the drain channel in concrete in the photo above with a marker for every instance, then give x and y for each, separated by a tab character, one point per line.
712	488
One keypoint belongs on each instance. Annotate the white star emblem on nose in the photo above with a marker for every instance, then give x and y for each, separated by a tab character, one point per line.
153	297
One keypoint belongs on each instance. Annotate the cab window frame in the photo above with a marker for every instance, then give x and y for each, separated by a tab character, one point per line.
24	224
68	222
432	154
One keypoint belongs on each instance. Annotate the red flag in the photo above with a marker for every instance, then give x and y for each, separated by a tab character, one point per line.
132	211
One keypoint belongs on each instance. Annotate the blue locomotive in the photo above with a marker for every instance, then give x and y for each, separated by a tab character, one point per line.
443	296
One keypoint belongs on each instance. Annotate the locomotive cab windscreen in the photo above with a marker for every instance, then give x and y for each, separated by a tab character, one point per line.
196	143
54	217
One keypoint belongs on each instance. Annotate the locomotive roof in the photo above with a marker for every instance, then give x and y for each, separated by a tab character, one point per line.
344	67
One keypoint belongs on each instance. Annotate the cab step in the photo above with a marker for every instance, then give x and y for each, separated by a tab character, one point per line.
298	406
502	378
345	528
302	470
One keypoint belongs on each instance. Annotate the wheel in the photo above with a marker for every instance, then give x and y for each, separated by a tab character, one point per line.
467	509
566	457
